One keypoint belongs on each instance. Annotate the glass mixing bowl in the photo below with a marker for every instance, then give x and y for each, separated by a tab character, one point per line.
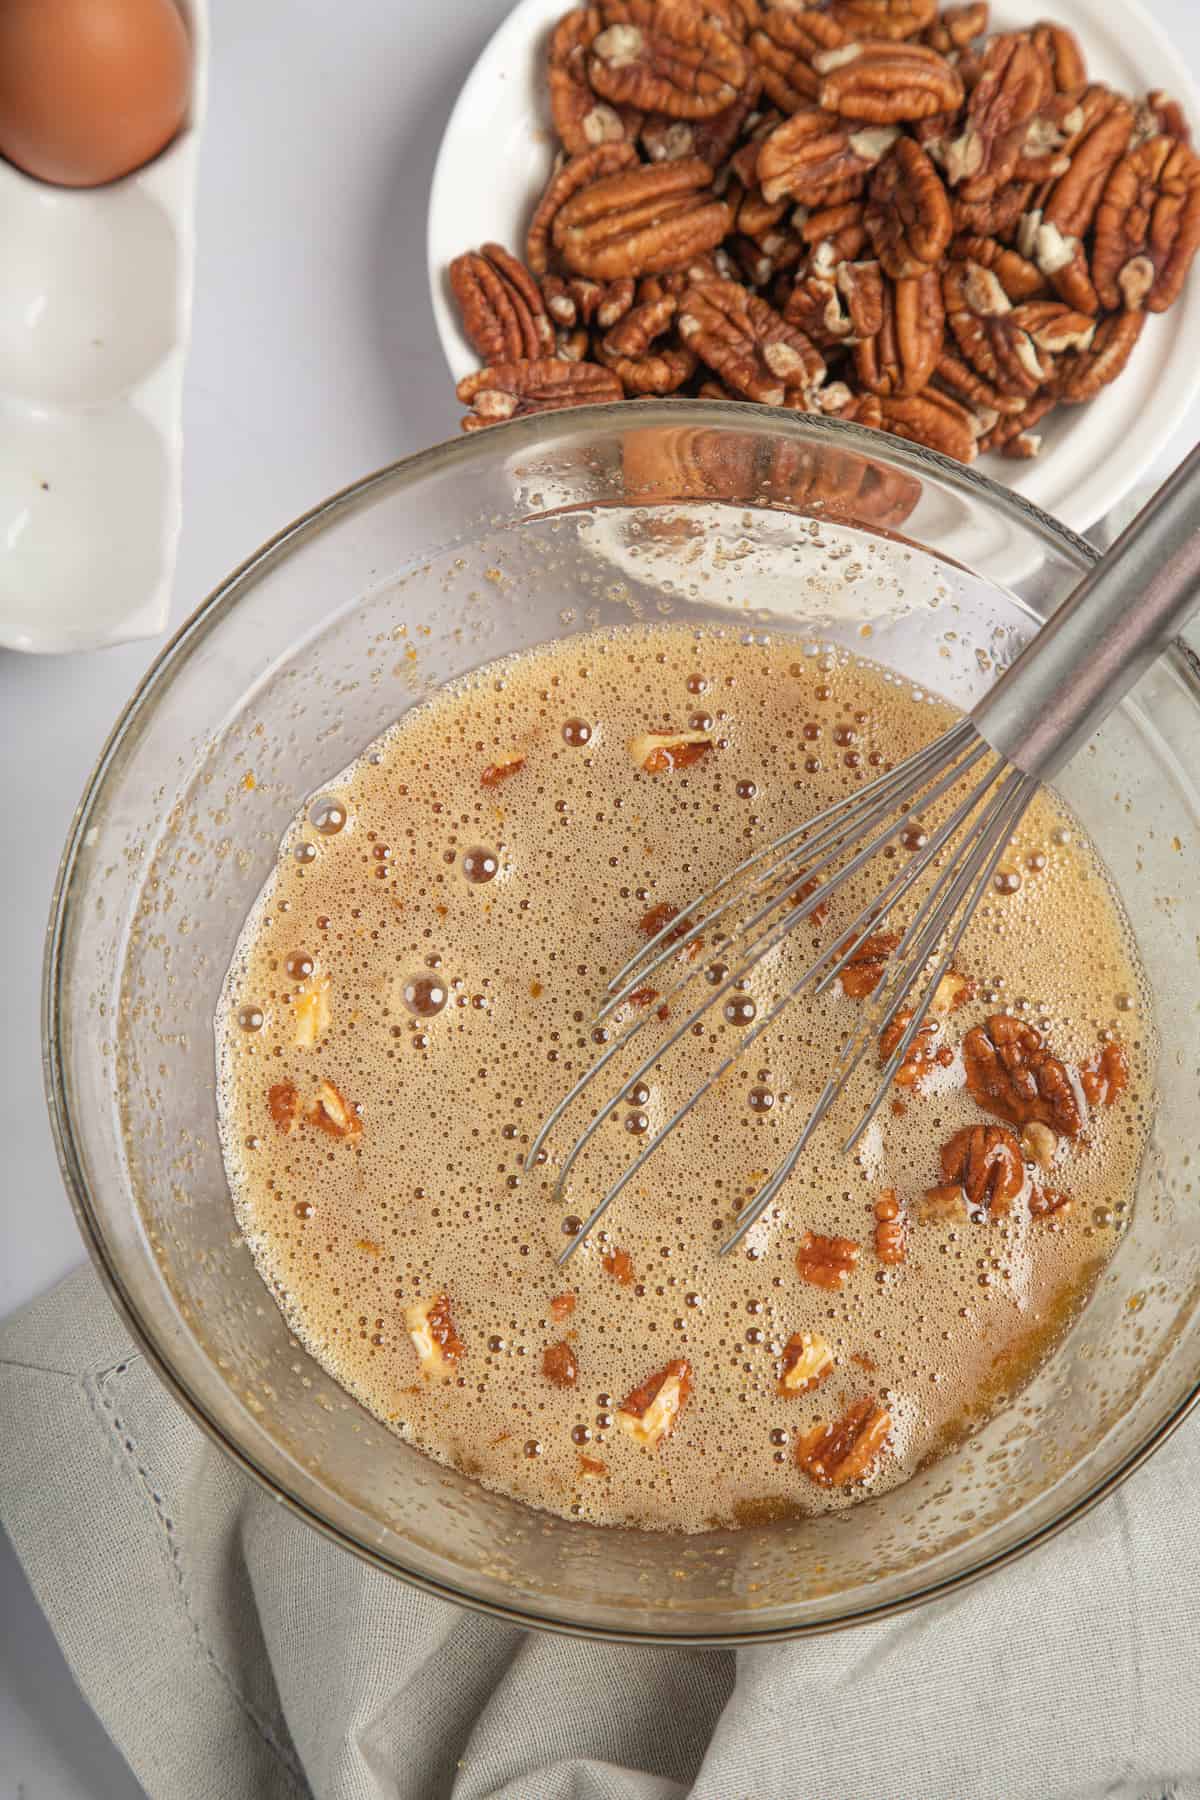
548	526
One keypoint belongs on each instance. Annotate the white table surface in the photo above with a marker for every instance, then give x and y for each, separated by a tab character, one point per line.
313	360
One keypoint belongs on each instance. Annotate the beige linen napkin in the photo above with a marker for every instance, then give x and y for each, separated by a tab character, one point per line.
235	1655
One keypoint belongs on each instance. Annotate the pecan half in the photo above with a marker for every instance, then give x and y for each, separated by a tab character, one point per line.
1095	151
581	120
815	152
784	47
864	971
514	390
819	303
907	215
887	84
578	173
641	221
891	1237
884	18
1081	375
574	300
1063	56
431	1329
1020	278
748	344
559	1365
807	1359
985	1160
1012	1074
1014	436
934	420
996	214
1147	227
628	350
989	332
665	56
649	1414
957	26
666	140
837	233
1010	90
1160	116
835	1455
902	357
826	1262
503	313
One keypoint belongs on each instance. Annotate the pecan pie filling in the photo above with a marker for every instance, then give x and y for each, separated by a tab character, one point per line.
416	990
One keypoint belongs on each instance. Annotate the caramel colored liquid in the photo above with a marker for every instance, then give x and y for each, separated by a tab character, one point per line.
466	931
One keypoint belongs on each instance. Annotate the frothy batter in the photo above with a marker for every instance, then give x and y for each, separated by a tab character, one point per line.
416	988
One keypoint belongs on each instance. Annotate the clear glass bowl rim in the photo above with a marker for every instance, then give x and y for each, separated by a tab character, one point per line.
481	446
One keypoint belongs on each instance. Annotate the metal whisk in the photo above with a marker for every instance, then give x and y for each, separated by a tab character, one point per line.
1038	714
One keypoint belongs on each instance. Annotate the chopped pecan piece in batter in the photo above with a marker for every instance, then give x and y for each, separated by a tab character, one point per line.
509	763
1039	1143
311	1012
658	752
1044	1203
559	1365
835	1455
618	1264
807	1359
943	1206
891	1237
649	1414
641	221
665	56
331	1113
749	345
514	390
1012	1074
283	1106
563	1305
985	1160
1147	227
888	84
826	1262
908	216
437	1344
924	1053
864	971
1106	1076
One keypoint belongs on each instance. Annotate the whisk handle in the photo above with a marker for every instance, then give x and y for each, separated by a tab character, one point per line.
1103	637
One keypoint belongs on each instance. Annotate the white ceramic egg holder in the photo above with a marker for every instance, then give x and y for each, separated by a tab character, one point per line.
95	315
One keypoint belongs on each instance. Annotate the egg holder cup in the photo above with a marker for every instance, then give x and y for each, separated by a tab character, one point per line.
95	317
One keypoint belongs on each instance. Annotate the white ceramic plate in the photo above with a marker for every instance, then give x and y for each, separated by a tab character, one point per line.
498	147
95	313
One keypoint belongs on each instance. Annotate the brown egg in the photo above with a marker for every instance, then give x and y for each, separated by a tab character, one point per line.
90	89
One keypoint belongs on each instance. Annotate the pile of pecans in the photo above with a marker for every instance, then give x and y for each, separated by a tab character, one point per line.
868	209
